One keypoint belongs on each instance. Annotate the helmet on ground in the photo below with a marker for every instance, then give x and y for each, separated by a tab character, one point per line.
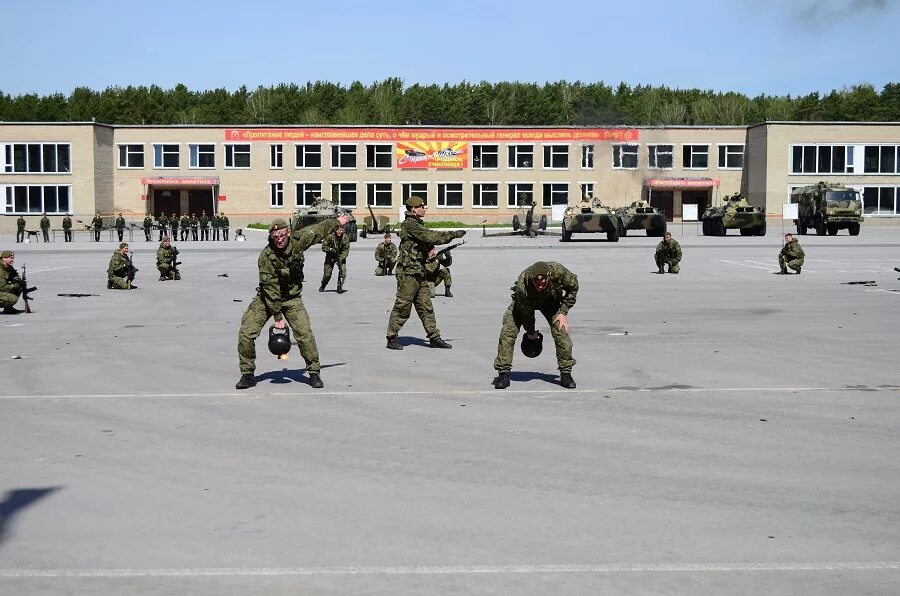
279	341
532	347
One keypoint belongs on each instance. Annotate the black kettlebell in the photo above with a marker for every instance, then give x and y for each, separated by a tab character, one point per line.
532	347
279	341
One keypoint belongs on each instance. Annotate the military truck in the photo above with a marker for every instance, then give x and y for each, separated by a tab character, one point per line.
640	215
374	224
320	210
827	208
736	213
590	216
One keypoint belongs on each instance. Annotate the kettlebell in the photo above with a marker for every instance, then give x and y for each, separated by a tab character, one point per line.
279	342
532	347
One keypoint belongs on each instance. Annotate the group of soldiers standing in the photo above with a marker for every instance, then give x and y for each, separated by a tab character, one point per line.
45	228
190	225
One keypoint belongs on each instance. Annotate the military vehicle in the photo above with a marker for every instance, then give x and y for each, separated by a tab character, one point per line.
827	208
523	223
590	216
640	215
374	224
735	213
320	210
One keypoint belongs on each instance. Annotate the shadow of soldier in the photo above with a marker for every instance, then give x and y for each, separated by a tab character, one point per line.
15	501
285	376
532	376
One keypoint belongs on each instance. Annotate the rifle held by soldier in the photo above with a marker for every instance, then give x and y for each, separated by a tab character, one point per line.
26	291
132	270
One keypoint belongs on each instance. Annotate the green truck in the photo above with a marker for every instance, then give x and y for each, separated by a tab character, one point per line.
827	208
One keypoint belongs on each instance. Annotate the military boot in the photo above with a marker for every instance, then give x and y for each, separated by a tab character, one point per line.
246	381
340	289
437	342
566	380
322	288
783	271
502	380
12	310
661	271
109	284
798	270
447	292
163	278
315	381
393	344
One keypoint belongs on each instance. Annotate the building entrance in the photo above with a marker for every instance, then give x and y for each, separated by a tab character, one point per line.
200	200
166	201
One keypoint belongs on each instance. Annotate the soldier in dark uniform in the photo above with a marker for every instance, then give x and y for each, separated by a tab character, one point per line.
416	243
163	222
45	228
279	296
204	226
216	224
185	226
20	229
173	223
120	226
194	225
225	223
67	227
148	225
97	224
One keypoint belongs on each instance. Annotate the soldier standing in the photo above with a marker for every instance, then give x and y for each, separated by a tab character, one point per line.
791	255
67	227
224	222
416	243
436	270
20	229
216	224
336	248
10	283
550	288
120	226
204	226
173	223
194	225
668	252
166	259
45	228
386	256
162	221
97	224
280	287
117	273
185	224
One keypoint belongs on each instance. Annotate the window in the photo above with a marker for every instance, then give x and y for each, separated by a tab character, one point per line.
414	189
237	156
695	157
881	159
521	157
625	157
485	194
659	157
307	193
449	194
343	156
308	156
26	199
731	157
556	157
379	156
379	194
519	193
131	156
485	157
276	156
587	189
587	157
276	195
881	200
202	156
822	159
37	158
344	193
165	156
556	194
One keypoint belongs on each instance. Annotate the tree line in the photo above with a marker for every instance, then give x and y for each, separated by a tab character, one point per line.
391	102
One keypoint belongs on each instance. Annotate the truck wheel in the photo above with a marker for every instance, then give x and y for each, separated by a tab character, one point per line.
723	231
761	230
745	231
351	231
832	230
516	223
854	229
612	235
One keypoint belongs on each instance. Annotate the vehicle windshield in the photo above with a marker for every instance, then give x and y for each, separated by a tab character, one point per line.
840	196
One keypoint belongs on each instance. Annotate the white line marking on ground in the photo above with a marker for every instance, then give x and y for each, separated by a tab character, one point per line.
257	394
452	569
44	269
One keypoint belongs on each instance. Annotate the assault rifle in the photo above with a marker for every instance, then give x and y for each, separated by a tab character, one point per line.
444	251
26	291
132	270
175	261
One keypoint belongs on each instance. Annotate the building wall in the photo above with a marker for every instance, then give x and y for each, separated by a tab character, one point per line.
756	168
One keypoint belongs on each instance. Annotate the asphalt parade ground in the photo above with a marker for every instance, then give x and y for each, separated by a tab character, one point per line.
733	431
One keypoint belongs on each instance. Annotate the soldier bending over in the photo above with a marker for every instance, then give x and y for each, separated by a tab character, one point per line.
668	252
791	255
386	256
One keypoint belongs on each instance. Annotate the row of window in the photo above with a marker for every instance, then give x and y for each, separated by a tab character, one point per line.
381	157
446	194
881	200
37	158
35	198
841	159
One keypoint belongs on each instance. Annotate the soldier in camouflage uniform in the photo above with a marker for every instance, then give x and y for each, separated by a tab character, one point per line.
668	252
336	248
148	225
416	243
45	228
216	224
117	272
10	283
204	226
20	229
386	256
194	225
280	286
67	227
437	271
166	257
791	255
223	221
173	223
550	288
163	223
185	225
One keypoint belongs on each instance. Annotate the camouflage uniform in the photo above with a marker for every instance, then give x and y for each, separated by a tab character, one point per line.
216	224
20	229
437	271
117	272
416	241
173	223
45	228
336	250
120	227
185	225
223	221
204	226
668	252
165	257
10	286
67	228
386	258
163	222
791	256
194	224
280	286
148	225
557	298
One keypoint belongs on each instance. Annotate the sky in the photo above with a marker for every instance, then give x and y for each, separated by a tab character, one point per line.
773	47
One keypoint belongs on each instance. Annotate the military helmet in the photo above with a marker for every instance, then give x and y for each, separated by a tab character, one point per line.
532	347
279	341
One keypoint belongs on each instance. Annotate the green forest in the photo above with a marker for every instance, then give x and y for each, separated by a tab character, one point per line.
391	102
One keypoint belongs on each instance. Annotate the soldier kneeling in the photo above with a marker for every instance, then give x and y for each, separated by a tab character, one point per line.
167	261
791	255
120	272
668	252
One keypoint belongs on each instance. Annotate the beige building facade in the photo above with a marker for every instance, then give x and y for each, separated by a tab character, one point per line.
467	174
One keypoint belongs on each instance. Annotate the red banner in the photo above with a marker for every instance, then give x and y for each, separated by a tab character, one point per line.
681	182
391	135
181	181
437	156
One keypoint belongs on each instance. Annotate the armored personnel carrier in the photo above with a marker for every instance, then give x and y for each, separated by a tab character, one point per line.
640	215
320	210
827	208
590	216
735	214
374	224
